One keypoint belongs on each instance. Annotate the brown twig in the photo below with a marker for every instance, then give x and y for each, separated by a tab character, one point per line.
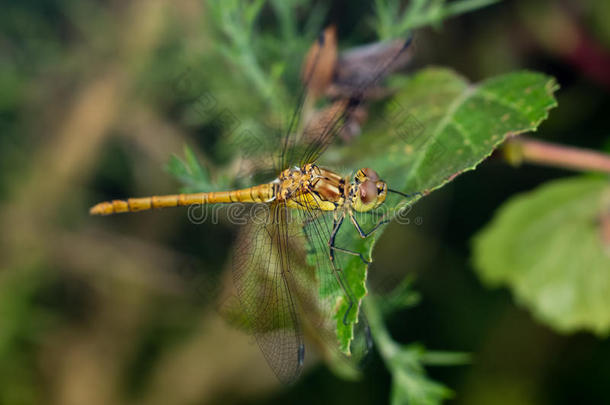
520	149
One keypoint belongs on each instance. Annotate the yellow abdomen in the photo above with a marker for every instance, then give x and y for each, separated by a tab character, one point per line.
257	194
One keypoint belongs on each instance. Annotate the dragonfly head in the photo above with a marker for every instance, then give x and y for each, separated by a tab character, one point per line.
368	190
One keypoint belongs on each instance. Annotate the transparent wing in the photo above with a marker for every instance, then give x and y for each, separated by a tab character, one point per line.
318	133
318	70
277	281
356	66
349	79
264	266
332	288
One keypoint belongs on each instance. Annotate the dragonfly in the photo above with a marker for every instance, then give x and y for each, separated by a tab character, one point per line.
305	205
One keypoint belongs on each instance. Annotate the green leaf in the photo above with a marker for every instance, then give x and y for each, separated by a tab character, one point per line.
410	385
439	125
547	247
252	10
458	125
401	297
331	293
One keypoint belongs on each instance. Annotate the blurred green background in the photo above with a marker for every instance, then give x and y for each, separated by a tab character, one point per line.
124	309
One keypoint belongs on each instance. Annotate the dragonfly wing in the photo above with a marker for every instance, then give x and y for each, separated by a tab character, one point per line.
355	84
318	70
263	268
356	66
338	299
349	79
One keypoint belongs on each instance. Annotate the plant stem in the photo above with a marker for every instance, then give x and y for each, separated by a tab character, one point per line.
385	344
435	13
465	6
520	149
445	358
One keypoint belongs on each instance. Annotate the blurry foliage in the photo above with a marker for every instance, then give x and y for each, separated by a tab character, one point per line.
392	19
405	362
549	246
194	177
19	334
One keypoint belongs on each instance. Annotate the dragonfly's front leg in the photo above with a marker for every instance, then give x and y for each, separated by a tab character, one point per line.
338	221
361	232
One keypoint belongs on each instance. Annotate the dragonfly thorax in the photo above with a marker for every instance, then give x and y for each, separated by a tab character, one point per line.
311	187
314	188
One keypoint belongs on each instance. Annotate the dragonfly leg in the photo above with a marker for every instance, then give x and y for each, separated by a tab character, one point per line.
331	243
351	252
331	251
361	232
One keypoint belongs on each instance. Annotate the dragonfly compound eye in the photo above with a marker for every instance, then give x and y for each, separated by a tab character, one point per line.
368	192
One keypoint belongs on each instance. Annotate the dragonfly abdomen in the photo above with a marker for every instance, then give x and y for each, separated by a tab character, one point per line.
257	194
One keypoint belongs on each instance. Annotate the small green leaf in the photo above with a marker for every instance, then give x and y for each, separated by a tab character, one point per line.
410	384
189	172
401	297
192	163
547	247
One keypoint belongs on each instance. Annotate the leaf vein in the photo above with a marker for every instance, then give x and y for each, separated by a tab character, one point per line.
493	97
455	105
465	135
